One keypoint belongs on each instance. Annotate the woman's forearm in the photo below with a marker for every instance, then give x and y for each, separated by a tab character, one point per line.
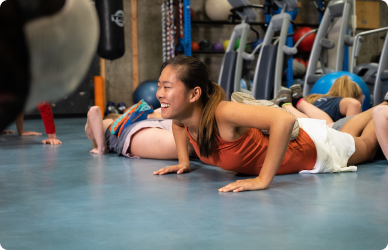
19	123
278	142
182	142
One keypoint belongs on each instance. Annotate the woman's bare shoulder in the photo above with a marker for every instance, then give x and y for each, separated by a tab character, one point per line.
222	108
224	105
225	108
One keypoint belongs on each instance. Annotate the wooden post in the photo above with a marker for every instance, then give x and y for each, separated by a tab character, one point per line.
135	51
103	75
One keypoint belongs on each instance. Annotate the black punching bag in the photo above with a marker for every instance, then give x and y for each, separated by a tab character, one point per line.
111	15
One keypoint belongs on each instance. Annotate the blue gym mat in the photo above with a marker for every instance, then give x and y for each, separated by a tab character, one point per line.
63	197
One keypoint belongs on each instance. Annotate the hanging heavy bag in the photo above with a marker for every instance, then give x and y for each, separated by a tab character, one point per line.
111	15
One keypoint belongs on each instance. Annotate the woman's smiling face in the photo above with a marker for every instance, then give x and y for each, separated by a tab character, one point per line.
172	94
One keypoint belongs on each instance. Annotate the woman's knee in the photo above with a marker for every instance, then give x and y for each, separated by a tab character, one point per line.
380	111
94	110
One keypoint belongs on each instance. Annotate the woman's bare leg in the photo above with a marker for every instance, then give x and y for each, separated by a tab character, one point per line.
154	143
350	106
380	118
356	124
88	128
313	112
366	145
94	129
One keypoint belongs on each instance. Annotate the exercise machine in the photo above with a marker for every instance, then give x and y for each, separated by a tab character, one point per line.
334	10
375	75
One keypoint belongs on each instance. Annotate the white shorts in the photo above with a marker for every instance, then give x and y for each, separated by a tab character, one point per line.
334	148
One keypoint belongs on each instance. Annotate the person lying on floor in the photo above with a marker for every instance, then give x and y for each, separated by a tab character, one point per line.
344	99
141	132
228	134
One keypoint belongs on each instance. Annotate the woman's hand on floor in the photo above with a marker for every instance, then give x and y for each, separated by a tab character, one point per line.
179	169
52	141
244	185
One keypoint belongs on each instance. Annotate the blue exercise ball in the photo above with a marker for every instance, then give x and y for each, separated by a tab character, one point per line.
147	91
323	85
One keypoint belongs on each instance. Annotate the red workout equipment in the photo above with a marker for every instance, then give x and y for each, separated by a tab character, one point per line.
299	60
194	46
306	62
307	43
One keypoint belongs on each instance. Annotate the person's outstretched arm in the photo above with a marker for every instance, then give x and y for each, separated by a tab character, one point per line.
95	130
312	112
48	120
19	125
234	115
182	142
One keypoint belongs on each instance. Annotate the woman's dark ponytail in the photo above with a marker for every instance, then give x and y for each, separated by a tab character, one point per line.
208	129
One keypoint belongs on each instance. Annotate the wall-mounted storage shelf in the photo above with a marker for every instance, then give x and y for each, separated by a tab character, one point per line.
207	52
223	22
201	22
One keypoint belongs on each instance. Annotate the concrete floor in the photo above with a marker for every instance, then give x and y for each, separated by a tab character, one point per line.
62	197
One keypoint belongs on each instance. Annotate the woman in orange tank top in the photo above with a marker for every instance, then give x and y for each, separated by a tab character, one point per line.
227	134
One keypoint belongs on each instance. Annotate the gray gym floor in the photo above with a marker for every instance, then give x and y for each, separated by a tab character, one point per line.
63	197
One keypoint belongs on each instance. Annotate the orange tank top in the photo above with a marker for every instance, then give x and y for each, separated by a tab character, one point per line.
246	155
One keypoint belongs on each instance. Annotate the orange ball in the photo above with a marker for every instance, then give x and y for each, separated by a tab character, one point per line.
194	46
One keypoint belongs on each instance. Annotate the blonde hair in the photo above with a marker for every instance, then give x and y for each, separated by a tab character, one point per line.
109	116
342	87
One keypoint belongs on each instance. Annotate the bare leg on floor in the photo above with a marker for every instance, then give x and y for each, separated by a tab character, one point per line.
366	145
155	143
357	123
380	118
